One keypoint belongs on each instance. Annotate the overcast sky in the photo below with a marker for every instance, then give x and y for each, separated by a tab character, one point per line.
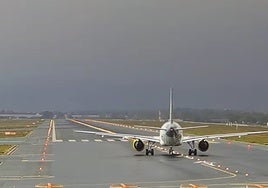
123	54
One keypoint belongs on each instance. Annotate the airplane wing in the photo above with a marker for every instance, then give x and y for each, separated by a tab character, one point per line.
198	138
181	128
123	136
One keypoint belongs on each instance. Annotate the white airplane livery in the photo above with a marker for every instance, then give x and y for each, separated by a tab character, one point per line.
170	134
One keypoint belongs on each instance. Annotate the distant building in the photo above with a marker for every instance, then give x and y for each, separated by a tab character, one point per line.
19	116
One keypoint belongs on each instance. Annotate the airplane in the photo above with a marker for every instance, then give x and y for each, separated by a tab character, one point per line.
170	134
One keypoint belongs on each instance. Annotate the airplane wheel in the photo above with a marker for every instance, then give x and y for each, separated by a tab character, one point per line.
148	151
152	151
195	152
190	152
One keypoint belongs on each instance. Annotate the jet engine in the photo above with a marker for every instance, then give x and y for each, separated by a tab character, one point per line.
203	145
138	145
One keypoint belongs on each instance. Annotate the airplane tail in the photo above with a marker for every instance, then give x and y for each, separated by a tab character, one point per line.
171	105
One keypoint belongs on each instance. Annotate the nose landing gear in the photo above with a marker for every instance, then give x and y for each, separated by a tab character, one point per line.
171	151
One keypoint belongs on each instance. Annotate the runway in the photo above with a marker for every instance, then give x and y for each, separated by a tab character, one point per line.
82	160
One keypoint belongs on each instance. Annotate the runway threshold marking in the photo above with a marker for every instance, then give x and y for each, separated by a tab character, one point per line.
98	140
84	140
91	126
71	140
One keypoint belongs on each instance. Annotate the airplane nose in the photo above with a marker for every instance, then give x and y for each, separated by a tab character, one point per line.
171	132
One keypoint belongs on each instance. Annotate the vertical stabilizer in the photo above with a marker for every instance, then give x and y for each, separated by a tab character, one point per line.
171	105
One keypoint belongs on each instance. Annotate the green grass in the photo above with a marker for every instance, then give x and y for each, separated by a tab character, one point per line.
16	124
4	149
256	139
21	127
19	133
211	129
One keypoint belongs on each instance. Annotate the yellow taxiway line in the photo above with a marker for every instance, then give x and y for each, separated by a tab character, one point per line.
91	126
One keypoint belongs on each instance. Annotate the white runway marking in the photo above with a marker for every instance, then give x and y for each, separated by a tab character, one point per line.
188	157
72	140
23	177
98	140
54	138
95	140
34	161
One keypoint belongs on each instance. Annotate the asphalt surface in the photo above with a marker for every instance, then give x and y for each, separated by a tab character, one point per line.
82	160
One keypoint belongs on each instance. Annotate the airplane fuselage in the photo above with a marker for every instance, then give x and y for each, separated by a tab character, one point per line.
170	135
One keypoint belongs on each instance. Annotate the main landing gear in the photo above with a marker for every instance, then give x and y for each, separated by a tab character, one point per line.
149	149
192	150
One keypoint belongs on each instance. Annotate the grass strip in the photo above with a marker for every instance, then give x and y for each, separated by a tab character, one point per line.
5	148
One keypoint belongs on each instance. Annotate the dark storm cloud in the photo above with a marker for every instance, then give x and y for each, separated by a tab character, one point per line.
118	54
